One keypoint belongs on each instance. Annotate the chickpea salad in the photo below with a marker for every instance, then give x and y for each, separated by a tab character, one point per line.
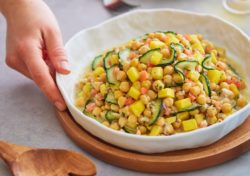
162	83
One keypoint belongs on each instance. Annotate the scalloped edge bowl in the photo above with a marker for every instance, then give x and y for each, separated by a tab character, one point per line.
83	46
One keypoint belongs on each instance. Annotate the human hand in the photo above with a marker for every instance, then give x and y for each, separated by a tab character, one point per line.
34	45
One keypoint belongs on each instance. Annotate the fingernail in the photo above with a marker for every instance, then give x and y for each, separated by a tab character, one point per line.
59	106
65	65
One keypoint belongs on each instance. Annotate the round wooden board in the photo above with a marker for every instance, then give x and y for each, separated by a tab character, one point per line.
231	146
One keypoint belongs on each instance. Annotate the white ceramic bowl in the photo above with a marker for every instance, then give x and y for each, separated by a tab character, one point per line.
82	47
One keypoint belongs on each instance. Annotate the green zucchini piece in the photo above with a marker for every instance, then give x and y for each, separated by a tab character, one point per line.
98	61
178	47
107	59
206	61
88	114
156	107
129	129
110	98
170	32
145	58
124	55
206	84
194	107
111	115
180	66
110	75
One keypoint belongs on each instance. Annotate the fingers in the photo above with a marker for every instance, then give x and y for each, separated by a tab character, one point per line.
55	49
18	65
40	73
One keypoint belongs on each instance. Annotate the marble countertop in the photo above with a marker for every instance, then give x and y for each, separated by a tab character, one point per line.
28	118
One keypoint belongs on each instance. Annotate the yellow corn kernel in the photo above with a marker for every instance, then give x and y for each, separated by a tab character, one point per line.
137	108
114	59
98	71
156	130
157	73
213	57
198	56
183	103
193	75
234	89
86	89
156	58
170	120
167	92
103	89
156	44
189	125
133	74
134	93
183	115
214	76
199	118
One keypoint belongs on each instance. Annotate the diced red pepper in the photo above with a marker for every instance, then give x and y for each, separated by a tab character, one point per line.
144	90
191	96
90	107
129	101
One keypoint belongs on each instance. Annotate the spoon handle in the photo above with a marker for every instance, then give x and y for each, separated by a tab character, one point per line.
9	152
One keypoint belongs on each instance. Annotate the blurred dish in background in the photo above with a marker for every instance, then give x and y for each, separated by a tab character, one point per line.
240	7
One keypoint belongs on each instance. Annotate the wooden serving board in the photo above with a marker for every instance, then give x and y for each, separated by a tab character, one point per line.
231	146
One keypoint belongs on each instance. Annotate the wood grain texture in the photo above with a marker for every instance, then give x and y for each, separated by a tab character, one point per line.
231	146
25	161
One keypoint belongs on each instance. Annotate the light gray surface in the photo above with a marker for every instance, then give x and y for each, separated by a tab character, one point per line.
28	118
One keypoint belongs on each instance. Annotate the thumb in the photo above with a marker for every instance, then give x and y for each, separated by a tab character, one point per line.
56	52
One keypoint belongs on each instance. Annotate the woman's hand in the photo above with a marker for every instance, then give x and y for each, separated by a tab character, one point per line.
34	45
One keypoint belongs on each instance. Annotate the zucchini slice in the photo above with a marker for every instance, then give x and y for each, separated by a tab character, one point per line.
110	98
178	47
124	55
234	71
111	115
185	65
145	58
205	63
156	107
129	129
110	75
107	60
206	84
194	107
98	61
170	32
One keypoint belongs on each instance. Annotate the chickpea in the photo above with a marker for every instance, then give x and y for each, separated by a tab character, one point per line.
141	67
226	108
177	124
121	75
124	86
80	101
145	99
177	78
122	121
103	77
168	70
167	79
147	113
180	95
134	62
114	107
165	52
143	49
241	102
137	85
106	123
122	101
114	126
126	66
224	85
142	129
146	84
118	94
158	85
169	129
212	120
195	90
186	86
211	111
151	94
96	111
202	99
168	101
160	121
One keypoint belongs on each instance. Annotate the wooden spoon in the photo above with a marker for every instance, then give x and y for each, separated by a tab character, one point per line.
25	161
